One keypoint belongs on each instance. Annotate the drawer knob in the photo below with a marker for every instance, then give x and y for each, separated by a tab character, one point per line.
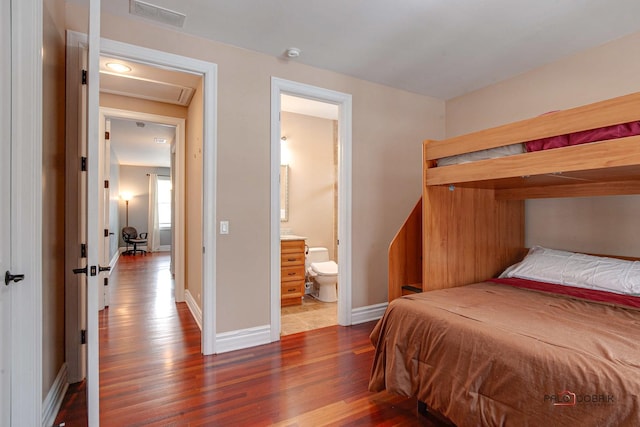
291	290
292	274
291	259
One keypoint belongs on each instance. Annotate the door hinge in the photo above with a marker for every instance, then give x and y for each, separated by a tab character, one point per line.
106	183
106	232
83	250
106	135
106	281
84	77
83	164
83	336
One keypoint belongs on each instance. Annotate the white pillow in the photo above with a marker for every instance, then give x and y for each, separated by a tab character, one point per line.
578	270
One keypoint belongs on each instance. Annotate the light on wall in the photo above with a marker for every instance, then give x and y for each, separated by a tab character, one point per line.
126	196
285	154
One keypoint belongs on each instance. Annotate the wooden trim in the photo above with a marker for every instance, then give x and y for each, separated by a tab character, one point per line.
589	189
609	112
405	254
596	155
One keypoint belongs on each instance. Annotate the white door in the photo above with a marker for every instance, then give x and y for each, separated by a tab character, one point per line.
94	233
5	220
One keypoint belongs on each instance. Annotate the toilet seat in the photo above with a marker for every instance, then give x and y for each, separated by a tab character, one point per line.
326	268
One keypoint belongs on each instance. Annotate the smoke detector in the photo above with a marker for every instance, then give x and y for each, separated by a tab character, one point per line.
293	52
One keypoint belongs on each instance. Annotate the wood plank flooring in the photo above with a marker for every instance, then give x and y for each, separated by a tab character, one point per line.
152	372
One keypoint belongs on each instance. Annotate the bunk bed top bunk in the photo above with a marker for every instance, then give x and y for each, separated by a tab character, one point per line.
481	352
608	161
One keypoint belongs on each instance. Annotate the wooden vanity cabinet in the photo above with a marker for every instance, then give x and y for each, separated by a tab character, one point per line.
291	272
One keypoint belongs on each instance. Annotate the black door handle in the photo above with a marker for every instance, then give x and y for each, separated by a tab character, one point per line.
80	270
101	268
8	278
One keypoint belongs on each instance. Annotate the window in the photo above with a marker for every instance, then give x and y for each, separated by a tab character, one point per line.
164	202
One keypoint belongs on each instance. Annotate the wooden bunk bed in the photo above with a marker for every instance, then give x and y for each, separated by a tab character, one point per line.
473	229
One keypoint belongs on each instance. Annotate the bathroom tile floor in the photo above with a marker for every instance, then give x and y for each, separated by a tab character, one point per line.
311	314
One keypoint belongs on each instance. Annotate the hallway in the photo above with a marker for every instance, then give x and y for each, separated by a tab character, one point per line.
152	372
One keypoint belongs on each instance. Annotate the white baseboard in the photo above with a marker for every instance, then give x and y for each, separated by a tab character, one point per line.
243	338
53	401
368	313
196	312
114	259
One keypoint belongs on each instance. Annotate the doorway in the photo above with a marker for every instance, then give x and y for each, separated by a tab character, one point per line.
281	87
146	143
309	201
208	71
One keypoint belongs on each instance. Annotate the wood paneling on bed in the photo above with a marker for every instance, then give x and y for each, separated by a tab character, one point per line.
405	255
469	236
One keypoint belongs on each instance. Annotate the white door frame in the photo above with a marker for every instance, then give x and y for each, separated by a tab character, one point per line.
26	212
5	210
343	101
208	71
178	173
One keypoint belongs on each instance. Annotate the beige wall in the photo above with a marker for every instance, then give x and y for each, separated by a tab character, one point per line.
142	105
312	177
388	127
53	172
604	72
193	197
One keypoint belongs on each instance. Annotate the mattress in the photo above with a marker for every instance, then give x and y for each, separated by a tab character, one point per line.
490	354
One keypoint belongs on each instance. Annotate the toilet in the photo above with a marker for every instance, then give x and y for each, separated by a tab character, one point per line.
324	273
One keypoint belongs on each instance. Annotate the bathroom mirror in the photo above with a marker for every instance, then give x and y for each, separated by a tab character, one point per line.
284	193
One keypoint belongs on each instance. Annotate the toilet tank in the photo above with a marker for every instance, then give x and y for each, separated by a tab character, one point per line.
317	255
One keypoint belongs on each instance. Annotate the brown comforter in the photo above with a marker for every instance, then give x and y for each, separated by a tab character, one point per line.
489	354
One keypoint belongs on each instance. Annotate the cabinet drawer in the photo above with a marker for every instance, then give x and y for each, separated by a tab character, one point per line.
293	258
288	246
292	273
289	290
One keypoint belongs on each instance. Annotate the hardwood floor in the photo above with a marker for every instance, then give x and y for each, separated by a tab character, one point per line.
152	372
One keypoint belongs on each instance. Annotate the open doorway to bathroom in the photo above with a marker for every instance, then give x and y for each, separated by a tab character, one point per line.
290	127
308	214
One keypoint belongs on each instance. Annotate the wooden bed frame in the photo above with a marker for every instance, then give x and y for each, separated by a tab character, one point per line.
473	213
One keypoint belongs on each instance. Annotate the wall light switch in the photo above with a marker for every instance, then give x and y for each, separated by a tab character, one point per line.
224	227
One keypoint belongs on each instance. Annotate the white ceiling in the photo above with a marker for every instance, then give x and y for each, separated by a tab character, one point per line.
135	146
440	48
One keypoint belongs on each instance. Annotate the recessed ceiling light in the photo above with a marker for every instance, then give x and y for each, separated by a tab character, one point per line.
160	140
117	67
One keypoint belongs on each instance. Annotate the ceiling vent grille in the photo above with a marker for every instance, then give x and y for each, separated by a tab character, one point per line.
156	13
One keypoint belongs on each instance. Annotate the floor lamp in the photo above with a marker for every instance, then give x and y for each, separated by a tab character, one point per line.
126	197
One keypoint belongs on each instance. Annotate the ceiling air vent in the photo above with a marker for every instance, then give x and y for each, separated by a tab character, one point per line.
156	13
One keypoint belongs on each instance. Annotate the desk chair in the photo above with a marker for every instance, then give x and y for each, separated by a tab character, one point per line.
131	237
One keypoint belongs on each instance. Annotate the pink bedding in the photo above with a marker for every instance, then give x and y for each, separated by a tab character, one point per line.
583	137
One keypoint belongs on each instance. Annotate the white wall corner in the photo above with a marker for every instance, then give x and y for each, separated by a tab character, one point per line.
53	401
243	338
368	313
193	308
